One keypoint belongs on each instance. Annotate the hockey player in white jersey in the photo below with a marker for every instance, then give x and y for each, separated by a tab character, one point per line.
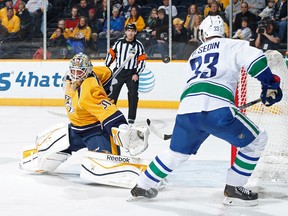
207	108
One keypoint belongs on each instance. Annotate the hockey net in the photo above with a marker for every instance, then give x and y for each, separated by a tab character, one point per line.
273	164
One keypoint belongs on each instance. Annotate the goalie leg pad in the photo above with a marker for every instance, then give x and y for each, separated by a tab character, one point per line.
45	154
114	170
134	139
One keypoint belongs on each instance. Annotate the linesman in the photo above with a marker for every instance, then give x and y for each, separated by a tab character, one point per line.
130	73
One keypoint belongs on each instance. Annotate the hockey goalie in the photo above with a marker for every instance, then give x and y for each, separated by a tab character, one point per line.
95	124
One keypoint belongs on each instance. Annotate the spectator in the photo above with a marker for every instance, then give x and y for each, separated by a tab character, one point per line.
58	40
236	8
80	36
193	31
165	6
161	24
127	8
179	40
150	26
116	25
267	37
207	7
245	32
95	25
268	10
252	18
16	3
192	10
150	23
25	21
101	11
2	4
280	17
66	32
83	8
136	19
223	4
256	6
3	11
35	8
214	11
119	5
71	23
3	31
11	22
72	3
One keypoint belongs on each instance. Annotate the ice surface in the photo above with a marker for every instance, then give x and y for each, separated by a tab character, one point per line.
196	188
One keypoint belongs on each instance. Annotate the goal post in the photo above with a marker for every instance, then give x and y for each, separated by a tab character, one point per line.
273	164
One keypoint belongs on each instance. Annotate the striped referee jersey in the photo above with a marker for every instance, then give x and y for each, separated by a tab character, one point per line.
120	52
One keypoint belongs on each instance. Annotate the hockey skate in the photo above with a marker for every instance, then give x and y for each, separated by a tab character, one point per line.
238	195
140	192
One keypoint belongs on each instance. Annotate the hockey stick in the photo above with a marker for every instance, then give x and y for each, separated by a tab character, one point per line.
157	132
250	104
163	136
131	54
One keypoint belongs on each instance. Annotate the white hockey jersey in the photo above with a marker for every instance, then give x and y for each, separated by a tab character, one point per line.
213	71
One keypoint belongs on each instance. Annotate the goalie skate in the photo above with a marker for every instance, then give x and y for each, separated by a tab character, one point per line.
239	196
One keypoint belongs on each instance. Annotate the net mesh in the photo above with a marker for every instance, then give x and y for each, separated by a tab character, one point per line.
273	164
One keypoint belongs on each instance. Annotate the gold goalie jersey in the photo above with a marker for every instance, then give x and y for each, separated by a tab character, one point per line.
87	102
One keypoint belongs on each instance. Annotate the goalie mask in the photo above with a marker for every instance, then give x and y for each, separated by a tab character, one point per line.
80	67
211	26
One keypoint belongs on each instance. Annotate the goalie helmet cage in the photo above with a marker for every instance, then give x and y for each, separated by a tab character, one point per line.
273	164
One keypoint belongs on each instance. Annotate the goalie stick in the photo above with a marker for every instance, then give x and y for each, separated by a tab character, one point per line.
164	136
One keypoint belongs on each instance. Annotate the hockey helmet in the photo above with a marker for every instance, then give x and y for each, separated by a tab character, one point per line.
211	26
80	67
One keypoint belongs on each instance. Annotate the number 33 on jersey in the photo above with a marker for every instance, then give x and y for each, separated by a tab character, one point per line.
213	71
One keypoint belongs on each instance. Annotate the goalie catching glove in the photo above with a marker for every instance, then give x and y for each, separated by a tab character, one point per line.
134	139
271	93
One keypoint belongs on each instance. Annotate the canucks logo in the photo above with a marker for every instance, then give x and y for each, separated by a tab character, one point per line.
68	104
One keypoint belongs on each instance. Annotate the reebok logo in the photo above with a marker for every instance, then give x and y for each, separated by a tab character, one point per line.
118	159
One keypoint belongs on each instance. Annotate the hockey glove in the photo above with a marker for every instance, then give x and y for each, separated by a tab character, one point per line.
271	93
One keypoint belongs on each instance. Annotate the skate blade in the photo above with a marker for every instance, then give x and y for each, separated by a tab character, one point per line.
238	202
135	199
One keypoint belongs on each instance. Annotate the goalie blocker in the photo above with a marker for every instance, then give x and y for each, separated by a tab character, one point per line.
47	154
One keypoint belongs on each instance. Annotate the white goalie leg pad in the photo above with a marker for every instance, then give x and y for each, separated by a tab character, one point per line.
45	154
114	170
134	139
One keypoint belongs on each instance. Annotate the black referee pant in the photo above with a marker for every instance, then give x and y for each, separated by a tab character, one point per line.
125	76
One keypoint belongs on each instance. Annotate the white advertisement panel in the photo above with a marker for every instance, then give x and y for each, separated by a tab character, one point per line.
43	80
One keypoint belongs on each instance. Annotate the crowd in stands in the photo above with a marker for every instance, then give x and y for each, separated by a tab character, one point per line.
82	24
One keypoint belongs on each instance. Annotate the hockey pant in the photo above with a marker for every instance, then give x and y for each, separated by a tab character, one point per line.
93	139
191	130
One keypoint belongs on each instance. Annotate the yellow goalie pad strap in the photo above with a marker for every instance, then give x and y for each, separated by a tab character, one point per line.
116	137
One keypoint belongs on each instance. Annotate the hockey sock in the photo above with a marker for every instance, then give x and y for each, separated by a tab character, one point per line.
160	167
